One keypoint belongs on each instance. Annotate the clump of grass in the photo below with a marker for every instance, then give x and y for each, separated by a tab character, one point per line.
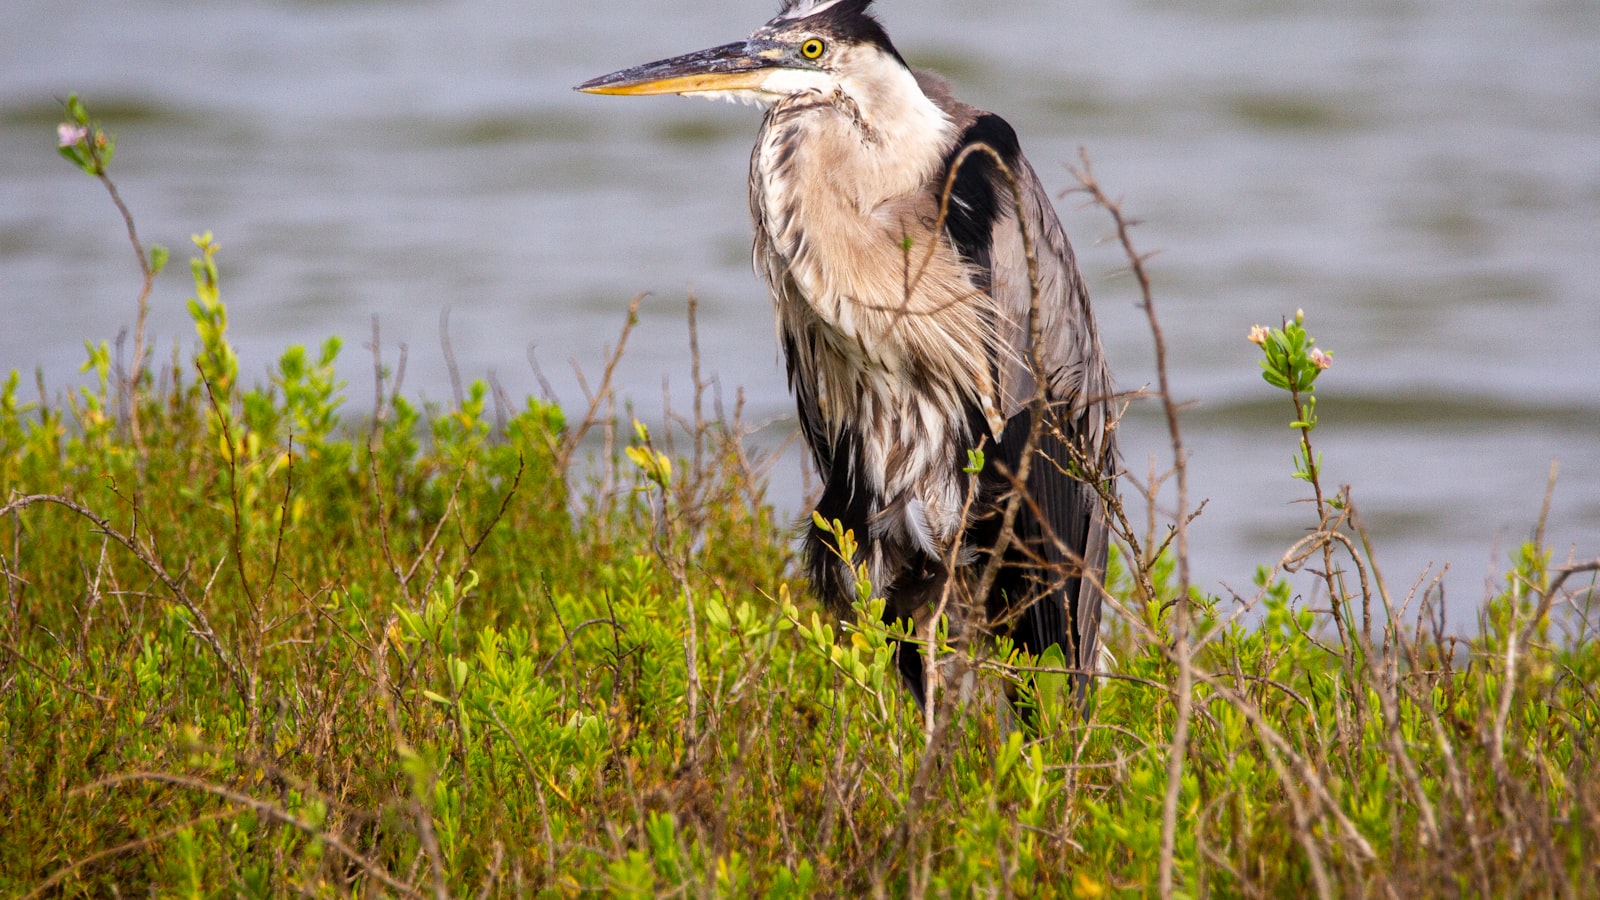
253	648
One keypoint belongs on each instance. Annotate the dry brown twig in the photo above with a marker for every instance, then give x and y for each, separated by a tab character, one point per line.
1182	649
147	557
602	395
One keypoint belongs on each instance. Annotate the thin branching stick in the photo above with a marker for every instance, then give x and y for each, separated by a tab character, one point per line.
598	397
202	623
268	810
1183	651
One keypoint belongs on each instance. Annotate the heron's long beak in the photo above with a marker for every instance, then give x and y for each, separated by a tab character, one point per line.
739	66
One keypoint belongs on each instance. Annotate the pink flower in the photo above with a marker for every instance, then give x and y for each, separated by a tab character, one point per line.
1319	359
68	134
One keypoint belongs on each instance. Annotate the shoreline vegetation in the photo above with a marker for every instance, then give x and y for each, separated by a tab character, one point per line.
249	648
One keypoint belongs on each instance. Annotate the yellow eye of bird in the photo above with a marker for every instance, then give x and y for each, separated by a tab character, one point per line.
811	49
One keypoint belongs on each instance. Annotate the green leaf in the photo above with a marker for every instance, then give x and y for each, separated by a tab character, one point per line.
1052	688
975	461
717	614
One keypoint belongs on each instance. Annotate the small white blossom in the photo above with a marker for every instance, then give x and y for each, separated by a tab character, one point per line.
1258	335
69	134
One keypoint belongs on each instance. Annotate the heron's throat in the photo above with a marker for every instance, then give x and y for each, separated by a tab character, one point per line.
874	134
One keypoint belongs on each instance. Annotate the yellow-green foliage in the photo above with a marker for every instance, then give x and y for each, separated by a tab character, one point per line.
255	650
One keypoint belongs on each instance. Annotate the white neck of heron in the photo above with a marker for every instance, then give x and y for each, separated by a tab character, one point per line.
900	136
906	135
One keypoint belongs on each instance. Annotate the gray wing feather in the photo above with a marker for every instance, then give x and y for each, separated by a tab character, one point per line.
1078	389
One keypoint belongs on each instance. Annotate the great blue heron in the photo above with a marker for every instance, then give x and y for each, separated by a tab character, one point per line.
905	324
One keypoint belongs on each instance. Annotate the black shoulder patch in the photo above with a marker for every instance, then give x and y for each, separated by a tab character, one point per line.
996	132
977	196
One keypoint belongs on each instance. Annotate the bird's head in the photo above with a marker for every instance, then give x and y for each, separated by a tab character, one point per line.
811	45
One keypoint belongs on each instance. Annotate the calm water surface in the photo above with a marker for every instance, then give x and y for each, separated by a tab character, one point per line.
1422	177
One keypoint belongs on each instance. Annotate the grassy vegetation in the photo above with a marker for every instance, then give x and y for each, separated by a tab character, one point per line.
248	647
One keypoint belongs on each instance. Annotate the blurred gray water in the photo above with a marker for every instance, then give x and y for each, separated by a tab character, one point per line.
1422	177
